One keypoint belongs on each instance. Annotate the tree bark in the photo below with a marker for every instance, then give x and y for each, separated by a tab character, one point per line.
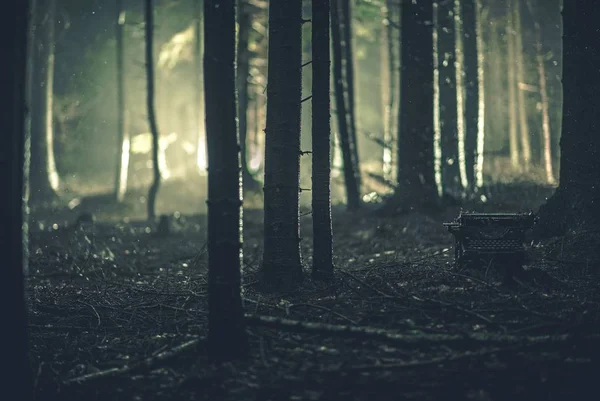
226	334
321	142
349	68
481	112
520	69
448	99
13	203
471	82
461	122
350	173
574	206
416	181
122	134
149	32
282	264
243	73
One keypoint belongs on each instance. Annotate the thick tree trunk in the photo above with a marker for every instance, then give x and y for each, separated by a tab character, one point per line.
471	82
349	69
446	58
226	333
13	204
350	173
513	136
321	142
122	134
282	264
416	181
574	206
149	31
520	69
243	73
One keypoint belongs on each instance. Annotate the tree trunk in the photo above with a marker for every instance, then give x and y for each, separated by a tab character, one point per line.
416	181
350	173
321	142
122	134
481	113
243	73
512	95
574	206
471	82
199	136
226	333
522	107
461	121
149	31
448	97
388	91
546	139
349	68
282	264
44	176
13	204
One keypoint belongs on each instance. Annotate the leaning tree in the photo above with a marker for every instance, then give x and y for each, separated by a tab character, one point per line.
13	170
282	264
575	204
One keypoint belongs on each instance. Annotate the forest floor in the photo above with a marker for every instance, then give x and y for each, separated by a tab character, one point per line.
119	312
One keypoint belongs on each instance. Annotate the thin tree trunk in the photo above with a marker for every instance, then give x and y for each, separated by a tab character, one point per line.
13	125
471	71
437	125
226	333
388	92
321	142
122	134
448	107
546	133
512	95
349	68
481	115
416	181
350	174
52	172
199	126
282	264
243	73
520	68
461	121
149	31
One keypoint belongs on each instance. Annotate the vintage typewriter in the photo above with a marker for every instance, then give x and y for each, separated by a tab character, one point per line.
484	238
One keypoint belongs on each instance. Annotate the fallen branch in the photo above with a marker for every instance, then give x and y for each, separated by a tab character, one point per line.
143	364
412	340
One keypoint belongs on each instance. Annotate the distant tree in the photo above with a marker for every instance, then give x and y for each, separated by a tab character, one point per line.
321	142
44	176
389	67
416	181
471	84
574	205
282	264
198	107
226	333
520	79
17	384
349	80
513	135
122	133
149	33
344	128
244	17
448	97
